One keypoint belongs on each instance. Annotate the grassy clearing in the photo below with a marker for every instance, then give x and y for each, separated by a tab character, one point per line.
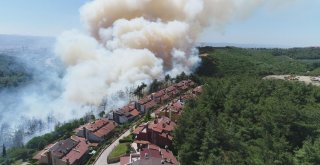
119	150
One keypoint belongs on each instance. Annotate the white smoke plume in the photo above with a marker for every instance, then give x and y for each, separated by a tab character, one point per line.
134	41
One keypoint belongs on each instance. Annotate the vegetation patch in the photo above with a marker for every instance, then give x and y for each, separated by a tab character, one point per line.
127	139
12	72
120	150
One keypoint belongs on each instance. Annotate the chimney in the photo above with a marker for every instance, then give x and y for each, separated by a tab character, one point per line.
136	106
85	132
155	121
166	112
166	146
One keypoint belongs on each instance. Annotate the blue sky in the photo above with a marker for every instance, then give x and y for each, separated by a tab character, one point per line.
294	24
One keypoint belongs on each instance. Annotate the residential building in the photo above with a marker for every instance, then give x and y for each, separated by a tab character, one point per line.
146	104
173	110
185	84
158	132
151	155
172	91
125	114
197	90
97	130
72	151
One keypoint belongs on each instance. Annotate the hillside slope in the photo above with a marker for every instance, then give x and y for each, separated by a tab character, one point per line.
242	119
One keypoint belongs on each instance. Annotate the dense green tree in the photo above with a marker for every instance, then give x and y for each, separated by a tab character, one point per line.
12	72
155	86
139	90
167	78
309	154
102	113
4	151
247	121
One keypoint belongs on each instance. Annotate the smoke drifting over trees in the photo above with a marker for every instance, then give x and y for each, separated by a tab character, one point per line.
127	42
130	42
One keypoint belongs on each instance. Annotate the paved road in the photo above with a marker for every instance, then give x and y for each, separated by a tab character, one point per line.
102	160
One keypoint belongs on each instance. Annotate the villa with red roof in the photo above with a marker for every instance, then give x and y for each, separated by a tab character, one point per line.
151	155
173	110
145	104
126	113
158	131
172	91
161	96
197	90
185	84
72	151
96	131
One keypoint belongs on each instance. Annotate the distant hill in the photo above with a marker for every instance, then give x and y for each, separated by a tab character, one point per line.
9	42
203	44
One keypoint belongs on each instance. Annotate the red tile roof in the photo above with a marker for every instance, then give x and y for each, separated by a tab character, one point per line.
169	156
138	129
159	93
184	87
124	160
150	104
135	112
97	124
171	88
63	147
154	151
42	152
100	127
162	124
177	105
165	97
141	142
198	89
78	151
145	100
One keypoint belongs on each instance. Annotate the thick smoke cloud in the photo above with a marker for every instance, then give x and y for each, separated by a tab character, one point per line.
134	41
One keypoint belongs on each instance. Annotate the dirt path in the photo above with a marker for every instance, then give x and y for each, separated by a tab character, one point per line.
305	79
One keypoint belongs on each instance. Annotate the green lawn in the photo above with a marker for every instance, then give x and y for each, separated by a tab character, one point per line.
119	150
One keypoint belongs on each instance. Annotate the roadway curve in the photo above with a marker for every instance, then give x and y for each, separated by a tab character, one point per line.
102	159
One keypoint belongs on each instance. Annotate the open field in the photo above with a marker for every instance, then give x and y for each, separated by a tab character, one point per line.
305	79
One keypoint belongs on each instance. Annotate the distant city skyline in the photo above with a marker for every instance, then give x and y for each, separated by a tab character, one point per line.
294	24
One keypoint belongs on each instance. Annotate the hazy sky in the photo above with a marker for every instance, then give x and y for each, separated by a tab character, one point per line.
293	24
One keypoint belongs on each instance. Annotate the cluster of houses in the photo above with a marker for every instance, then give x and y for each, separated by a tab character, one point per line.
136	108
153	139
75	150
